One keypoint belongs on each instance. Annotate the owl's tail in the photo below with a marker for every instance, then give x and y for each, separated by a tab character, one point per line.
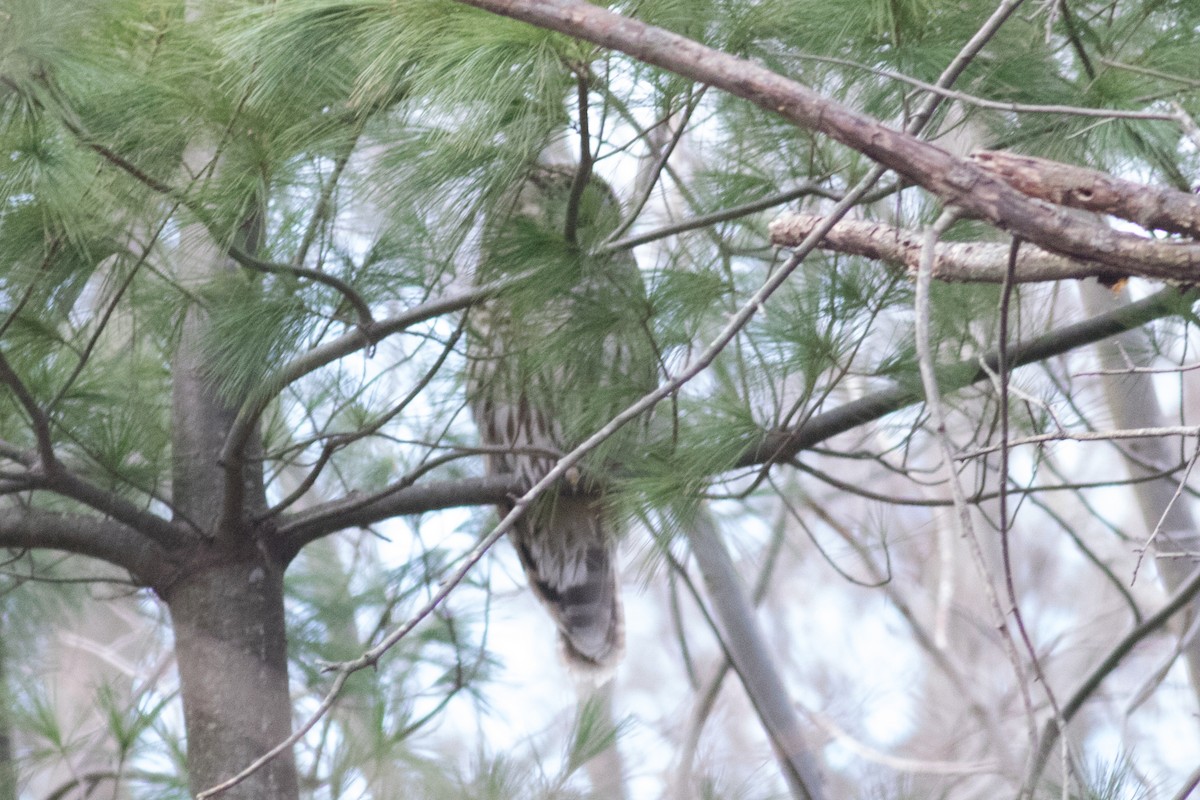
568	559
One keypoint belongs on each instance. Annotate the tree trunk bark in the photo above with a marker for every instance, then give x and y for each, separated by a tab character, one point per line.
226	600
231	646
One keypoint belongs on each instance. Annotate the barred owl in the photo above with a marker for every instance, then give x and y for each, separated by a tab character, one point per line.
548	364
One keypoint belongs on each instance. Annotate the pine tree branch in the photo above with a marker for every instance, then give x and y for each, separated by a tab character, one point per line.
782	445
771	447
956	181
49	473
701	362
82	534
238	254
955	262
361	338
960	62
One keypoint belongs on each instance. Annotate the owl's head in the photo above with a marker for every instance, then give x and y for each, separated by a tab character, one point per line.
544	198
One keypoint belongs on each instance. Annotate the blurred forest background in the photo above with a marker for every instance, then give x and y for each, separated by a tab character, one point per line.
887	533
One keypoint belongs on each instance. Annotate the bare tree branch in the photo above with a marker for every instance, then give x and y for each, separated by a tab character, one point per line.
1152	207
161	531
957	262
327	518
37	417
86	535
782	445
361	310
1102	670
753	660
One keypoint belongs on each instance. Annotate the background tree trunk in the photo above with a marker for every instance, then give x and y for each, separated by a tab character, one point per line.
8	770
1134	404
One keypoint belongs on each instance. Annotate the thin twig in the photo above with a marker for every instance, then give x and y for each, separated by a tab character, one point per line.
998	105
708	694
717	217
1187	592
1153	73
37	418
324	204
1003	374
1087	436
961	61
655	171
937	415
1179	487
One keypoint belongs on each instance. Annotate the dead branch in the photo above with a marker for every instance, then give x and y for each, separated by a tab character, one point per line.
1152	207
969	262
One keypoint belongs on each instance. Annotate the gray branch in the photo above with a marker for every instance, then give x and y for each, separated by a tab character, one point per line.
753	660
85	535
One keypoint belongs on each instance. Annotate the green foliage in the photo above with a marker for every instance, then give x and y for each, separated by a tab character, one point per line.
592	733
254	326
400	147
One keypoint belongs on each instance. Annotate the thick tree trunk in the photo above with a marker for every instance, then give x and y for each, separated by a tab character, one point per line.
226	602
231	646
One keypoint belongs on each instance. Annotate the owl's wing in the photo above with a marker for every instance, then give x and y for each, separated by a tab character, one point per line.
563	541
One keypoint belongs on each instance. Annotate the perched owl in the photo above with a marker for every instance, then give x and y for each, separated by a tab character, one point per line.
548	363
